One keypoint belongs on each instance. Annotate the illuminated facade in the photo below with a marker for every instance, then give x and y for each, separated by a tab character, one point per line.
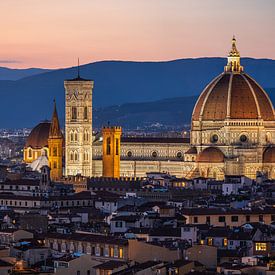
232	133
55	145
78	127
111	151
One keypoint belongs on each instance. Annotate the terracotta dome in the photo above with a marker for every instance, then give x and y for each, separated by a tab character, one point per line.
269	155
39	135
233	95
211	154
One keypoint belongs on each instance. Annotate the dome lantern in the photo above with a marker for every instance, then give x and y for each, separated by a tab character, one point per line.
233	59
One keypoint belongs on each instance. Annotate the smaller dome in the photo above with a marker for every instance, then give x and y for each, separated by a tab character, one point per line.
39	135
211	154
269	155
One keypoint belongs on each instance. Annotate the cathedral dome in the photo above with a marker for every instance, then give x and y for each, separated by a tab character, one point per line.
269	155
39	135
211	154
233	95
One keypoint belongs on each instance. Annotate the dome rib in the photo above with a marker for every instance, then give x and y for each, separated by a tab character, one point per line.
254	95
201	99
233	96
265	104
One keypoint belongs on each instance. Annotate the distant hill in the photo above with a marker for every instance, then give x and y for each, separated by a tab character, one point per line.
27	101
166	114
16	74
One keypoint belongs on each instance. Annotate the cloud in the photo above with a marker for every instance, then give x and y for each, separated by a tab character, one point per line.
7	61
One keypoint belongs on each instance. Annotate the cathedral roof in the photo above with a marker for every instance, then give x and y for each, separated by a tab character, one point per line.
233	95
269	155
211	154
39	135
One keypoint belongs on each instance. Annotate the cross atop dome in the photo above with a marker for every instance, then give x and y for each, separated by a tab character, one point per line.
233	59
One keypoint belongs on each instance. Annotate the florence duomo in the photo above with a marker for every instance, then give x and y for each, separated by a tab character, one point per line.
155	155
232	133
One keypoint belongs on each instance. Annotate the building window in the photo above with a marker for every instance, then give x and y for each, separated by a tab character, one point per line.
129	154
210	241
273	218
108	146
154	154
261	218
179	155
221	218
71	156
214	138
195	219
117	144
234	218
30	153
75	136
120	252
74	113
260	246
75	156
208	219
247	218
54	165
54	151
225	242
85	115
243	138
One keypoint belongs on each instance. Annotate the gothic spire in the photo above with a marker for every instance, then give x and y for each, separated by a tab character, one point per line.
55	131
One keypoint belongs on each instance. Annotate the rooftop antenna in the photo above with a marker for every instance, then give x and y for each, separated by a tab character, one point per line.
78	76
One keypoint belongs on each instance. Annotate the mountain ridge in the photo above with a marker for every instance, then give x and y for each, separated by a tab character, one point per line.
28	100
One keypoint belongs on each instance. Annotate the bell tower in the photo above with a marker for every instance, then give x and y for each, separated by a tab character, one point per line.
55	144
78	126
111	151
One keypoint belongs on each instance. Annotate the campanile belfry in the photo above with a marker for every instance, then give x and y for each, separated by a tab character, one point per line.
78	126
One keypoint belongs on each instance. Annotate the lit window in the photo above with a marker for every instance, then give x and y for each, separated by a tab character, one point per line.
120	253
210	241
260	246
225	242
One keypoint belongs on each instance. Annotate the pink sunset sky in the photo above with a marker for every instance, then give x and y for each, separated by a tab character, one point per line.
53	33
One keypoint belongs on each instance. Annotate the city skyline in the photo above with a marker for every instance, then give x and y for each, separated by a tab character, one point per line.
52	35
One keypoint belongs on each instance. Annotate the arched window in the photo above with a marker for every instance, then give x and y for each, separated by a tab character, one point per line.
117	146
75	156
85	114
108	146
72	136
74	113
54	151
75	136
72	156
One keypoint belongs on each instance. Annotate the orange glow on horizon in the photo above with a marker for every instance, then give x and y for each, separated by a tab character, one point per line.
52	34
